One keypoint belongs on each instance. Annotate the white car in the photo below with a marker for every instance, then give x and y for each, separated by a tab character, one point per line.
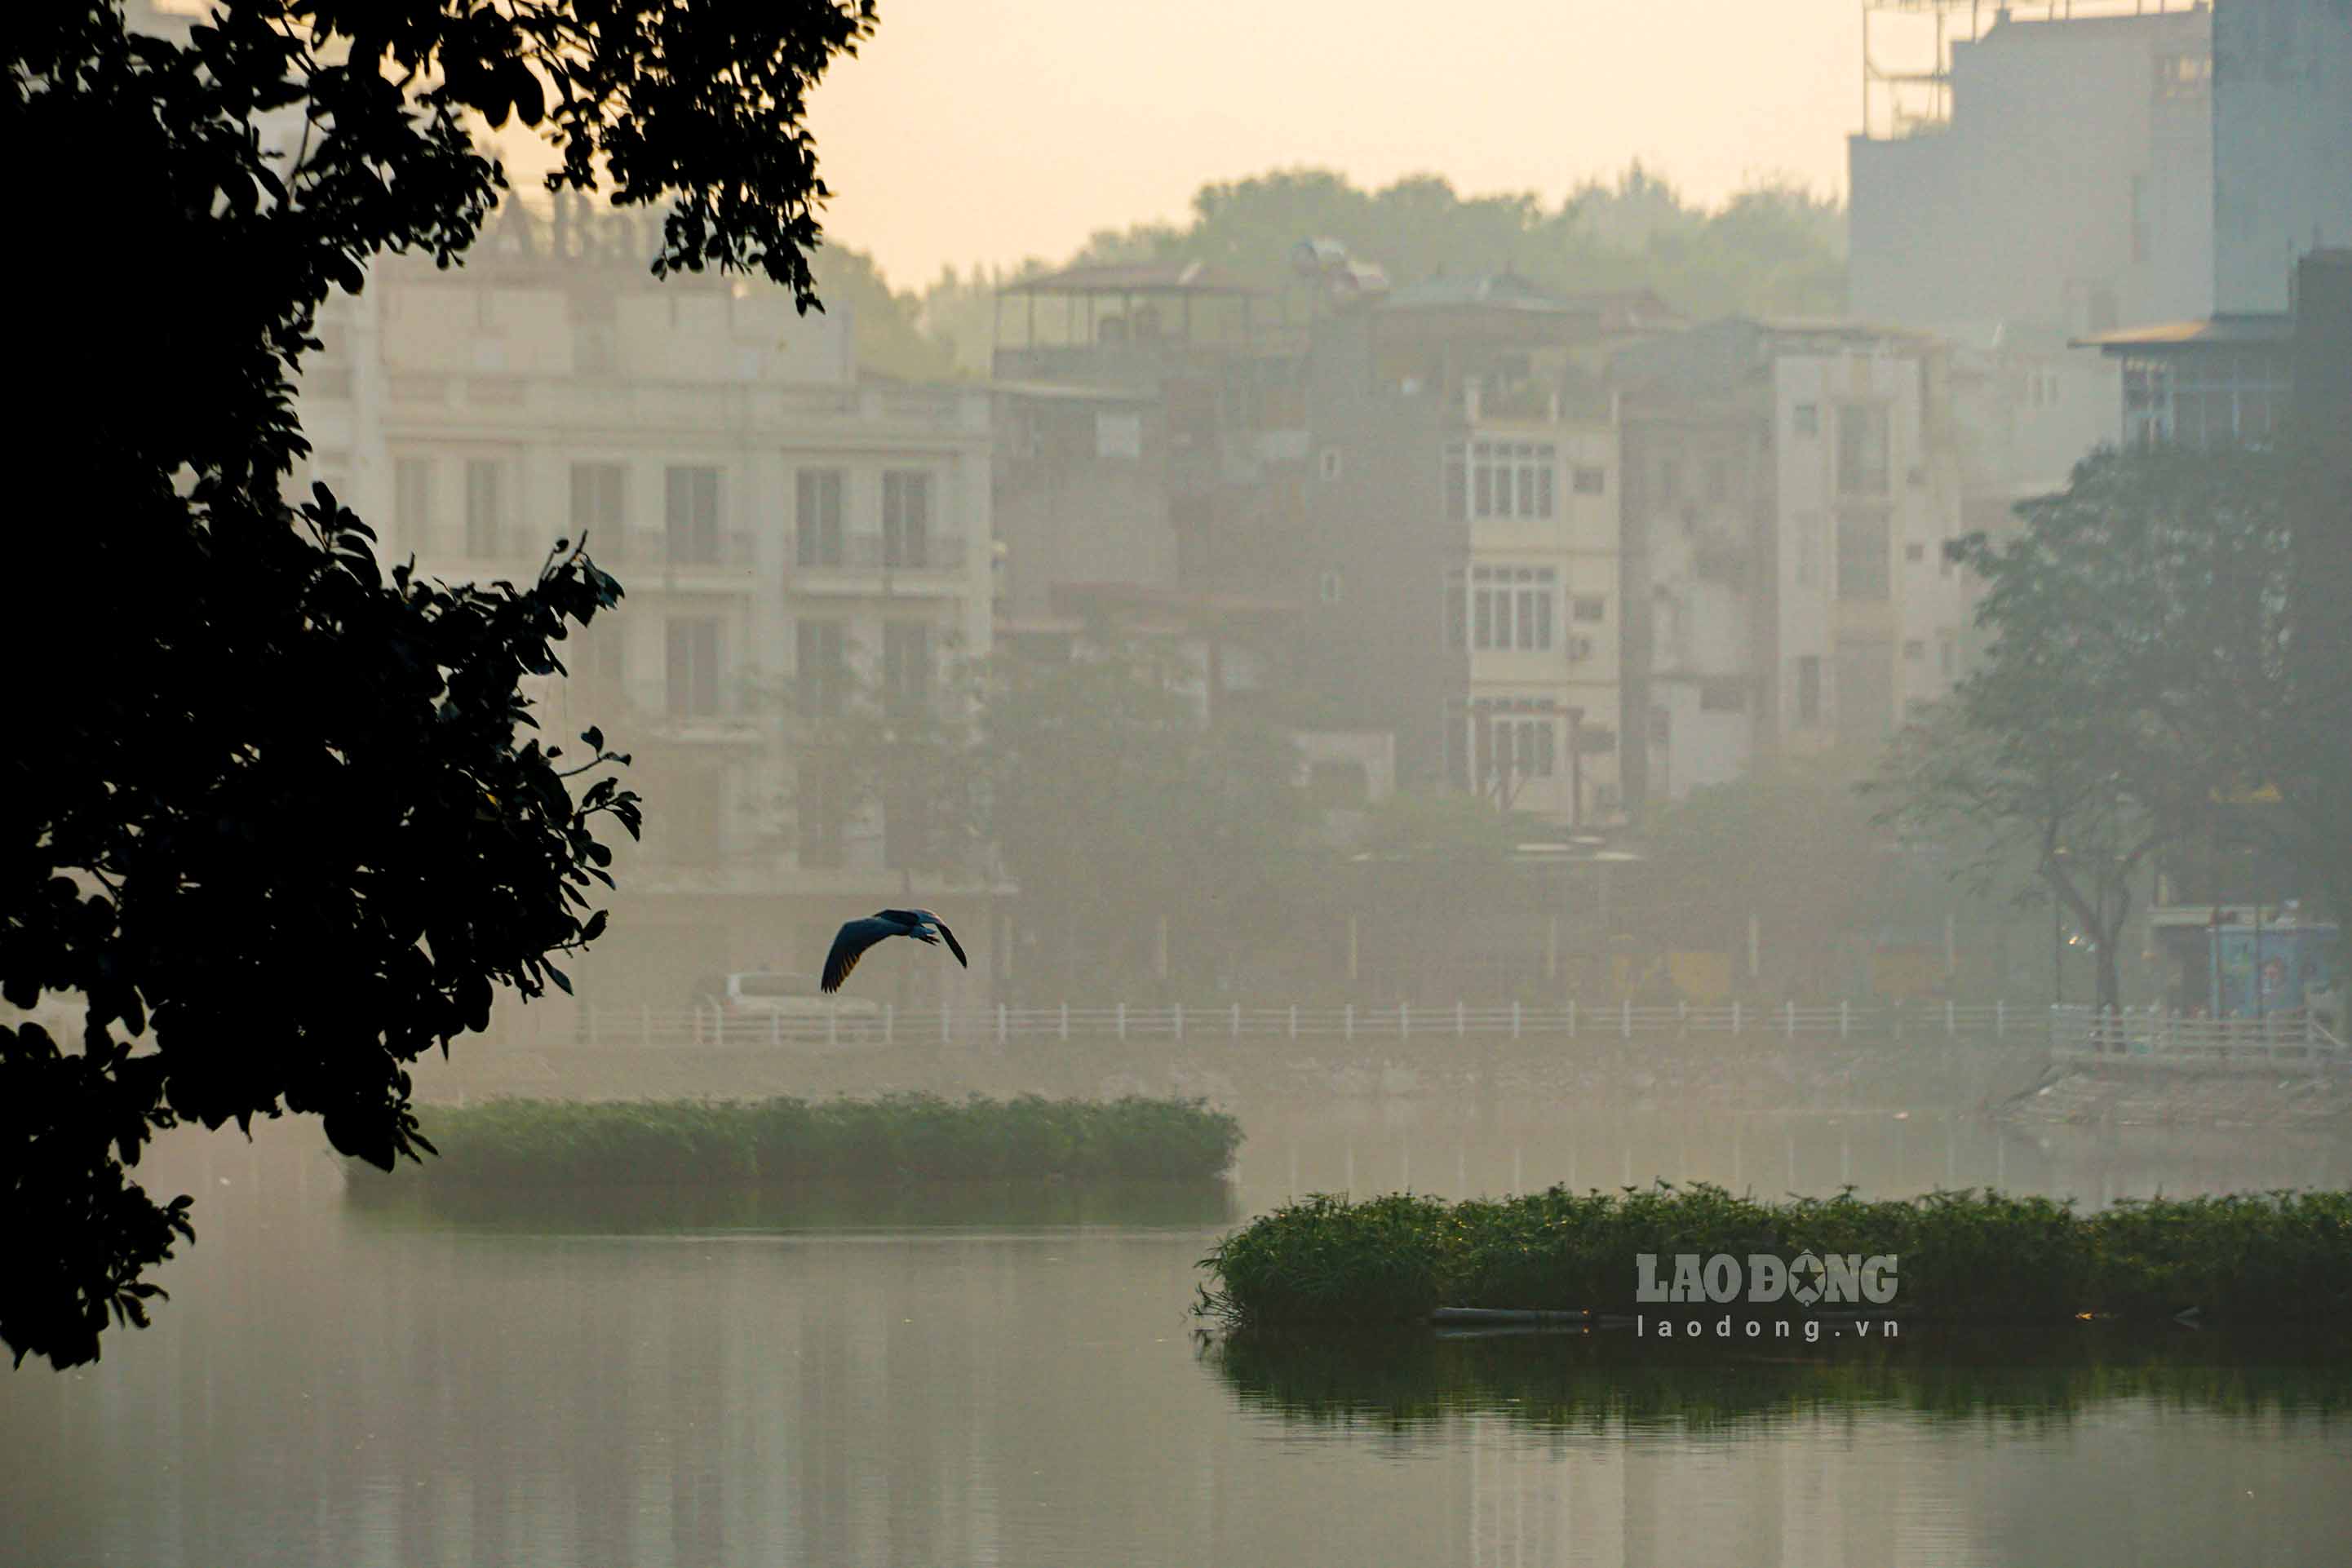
766	1003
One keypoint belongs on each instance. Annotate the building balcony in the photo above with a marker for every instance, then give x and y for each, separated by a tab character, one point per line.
652	557
867	565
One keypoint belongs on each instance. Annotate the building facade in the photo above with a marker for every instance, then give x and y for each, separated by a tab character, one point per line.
1462	526
2281	146
2061	172
787	537
1789	492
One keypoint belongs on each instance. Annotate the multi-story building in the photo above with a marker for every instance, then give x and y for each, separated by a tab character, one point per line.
2281	146
1081	480
2052	168
2022	177
1210	367
2283	188
1461	541
1788	490
778	527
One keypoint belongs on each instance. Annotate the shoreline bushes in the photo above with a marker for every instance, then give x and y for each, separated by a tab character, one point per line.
535	1143
1988	1257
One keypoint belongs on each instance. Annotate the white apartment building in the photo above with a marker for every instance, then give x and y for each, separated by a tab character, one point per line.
1789	488
774	520
1534	608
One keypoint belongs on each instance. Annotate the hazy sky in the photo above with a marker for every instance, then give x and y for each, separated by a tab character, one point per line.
969	132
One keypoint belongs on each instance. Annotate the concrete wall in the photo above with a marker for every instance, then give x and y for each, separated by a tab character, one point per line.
2282	142
1377	649
2064	139
1073	504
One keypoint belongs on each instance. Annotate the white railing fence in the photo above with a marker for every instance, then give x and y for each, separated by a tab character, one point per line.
1874	1020
2152	1034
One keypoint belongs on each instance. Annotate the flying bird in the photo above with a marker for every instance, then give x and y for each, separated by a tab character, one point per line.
855	937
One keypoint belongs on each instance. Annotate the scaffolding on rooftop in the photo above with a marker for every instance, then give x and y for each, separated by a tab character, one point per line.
1915	94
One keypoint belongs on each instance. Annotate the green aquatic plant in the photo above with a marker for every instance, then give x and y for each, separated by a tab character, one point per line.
1967	1255
537	1143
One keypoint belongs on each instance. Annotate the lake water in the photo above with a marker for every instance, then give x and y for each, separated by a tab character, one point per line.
989	1381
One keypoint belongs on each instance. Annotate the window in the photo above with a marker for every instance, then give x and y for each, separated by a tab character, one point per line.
596	503
1590	481
690	813
1947	655
1861	450
817	517
1327	587
906	518
819	670
1806	419
412	501
691	510
1915	650
1521	747
484	534
1723	694
595	338
1865	691
693	668
905	824
1501	479
1861	564
596	656
1590	608
1457	610
1915	553
2217	396
906	662
1511	607
1809	550
1330	463
820	806
1809	688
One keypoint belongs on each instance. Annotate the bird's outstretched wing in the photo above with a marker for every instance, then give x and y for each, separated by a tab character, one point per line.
849	945
954	946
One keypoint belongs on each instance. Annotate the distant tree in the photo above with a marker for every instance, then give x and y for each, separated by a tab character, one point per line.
906	757
1771	249
2134	680
1112	801
1789	842
275	829
2050	805
1446	828
888	331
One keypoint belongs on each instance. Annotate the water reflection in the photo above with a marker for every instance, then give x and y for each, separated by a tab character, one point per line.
923	1207
946	1379
1593	1381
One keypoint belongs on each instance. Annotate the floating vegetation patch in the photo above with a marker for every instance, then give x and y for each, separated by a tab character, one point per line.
1953	1257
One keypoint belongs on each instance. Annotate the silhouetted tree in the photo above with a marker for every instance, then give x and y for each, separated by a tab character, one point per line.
274	830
